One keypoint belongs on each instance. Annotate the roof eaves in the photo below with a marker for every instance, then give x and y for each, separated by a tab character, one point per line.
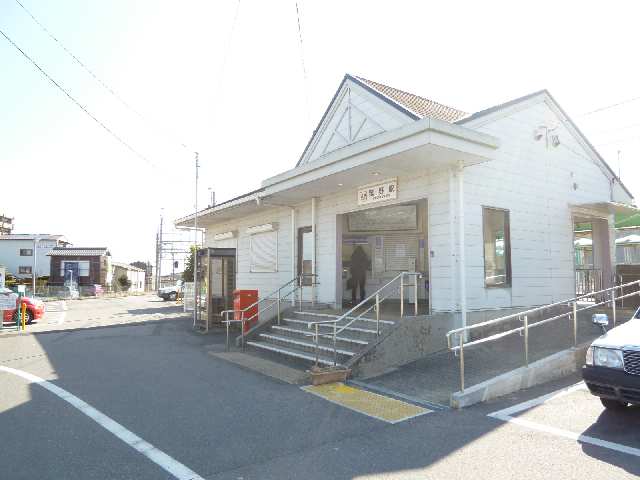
216	207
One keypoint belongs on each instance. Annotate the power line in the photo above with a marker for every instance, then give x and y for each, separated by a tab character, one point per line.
89	71
607	107
304	69
82	107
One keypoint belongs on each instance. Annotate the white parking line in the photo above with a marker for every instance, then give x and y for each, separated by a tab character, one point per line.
506	416
164	461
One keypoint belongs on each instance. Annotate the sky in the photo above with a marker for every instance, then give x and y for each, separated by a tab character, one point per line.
230	80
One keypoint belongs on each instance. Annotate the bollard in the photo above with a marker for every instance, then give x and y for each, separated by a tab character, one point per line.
24	315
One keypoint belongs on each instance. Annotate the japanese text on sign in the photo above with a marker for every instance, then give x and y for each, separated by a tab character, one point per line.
387	190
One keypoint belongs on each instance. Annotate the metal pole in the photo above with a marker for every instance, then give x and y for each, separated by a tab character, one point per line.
300	295
401	295
195	262
613	305
34	274
526	341
461	339
415	295
278	307
377	314
335	349
227	322
316	339
575	324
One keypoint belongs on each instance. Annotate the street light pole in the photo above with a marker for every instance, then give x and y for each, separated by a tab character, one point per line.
34	273
195	256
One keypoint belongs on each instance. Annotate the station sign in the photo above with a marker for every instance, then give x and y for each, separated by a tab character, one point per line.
378	192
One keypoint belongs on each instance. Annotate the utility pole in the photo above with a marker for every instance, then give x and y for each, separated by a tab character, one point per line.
159	264
34	273
195	259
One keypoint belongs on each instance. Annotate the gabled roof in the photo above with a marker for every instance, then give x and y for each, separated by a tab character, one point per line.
414	106
78	252
545	92
126	266
420	107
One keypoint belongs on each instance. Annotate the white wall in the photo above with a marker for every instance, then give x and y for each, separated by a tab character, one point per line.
10	256
533	182
536	185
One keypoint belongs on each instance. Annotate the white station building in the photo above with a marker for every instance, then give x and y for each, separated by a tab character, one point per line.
482	204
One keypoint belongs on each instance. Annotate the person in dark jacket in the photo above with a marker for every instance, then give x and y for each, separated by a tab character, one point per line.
359	266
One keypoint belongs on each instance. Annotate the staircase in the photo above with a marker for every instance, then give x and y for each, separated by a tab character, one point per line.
294	339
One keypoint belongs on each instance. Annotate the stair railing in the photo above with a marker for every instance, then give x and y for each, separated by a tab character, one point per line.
273	299
398	280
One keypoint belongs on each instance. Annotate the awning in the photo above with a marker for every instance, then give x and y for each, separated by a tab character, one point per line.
608	207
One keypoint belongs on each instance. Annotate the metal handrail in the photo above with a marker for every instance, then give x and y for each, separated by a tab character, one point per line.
535	310
347	315
523	317
298	285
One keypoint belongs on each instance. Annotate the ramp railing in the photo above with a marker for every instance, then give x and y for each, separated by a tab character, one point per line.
457	339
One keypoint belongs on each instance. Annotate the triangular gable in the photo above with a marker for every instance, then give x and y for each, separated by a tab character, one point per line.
484	116
355	113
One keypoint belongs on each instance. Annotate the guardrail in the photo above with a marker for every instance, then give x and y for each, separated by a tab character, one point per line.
463	333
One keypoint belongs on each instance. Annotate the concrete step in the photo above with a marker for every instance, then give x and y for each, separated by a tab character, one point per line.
319	317
322	359
304	333
306	345
304	324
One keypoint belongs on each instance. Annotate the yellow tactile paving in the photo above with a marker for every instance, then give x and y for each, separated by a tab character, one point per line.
371	404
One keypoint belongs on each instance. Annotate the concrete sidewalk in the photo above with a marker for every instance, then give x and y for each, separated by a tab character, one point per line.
436	377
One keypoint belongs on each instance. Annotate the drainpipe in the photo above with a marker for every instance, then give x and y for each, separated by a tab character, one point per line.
313	250
461	263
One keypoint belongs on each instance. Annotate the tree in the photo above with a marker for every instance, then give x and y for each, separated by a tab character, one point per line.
187	275
142	265
124	282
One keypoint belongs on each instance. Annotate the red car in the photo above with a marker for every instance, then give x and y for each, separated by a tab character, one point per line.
35	311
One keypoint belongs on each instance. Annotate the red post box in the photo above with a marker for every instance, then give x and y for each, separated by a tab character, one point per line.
243	299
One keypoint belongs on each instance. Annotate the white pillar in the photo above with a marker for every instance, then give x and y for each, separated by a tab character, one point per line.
461	240
293	250
313	247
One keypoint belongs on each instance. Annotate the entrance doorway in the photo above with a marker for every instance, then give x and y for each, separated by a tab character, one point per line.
216	275
592	255
305	254
393	239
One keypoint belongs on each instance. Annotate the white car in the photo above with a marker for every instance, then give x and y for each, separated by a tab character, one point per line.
171	293
612	366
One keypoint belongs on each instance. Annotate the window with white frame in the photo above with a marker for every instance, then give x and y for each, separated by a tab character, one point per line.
23	270
497	247
263	251
26	252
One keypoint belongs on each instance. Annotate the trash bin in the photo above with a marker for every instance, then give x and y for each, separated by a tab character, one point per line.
243	299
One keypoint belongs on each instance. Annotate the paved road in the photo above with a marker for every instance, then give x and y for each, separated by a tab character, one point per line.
220	421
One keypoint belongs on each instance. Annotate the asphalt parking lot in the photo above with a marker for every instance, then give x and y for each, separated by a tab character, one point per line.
146	400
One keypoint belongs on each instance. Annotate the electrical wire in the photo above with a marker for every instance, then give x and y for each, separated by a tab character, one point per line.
82	107
304	69
607	107
92	73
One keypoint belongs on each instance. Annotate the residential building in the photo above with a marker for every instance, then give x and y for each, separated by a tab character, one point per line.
6	224
81	265
21	253
483	205
136	276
